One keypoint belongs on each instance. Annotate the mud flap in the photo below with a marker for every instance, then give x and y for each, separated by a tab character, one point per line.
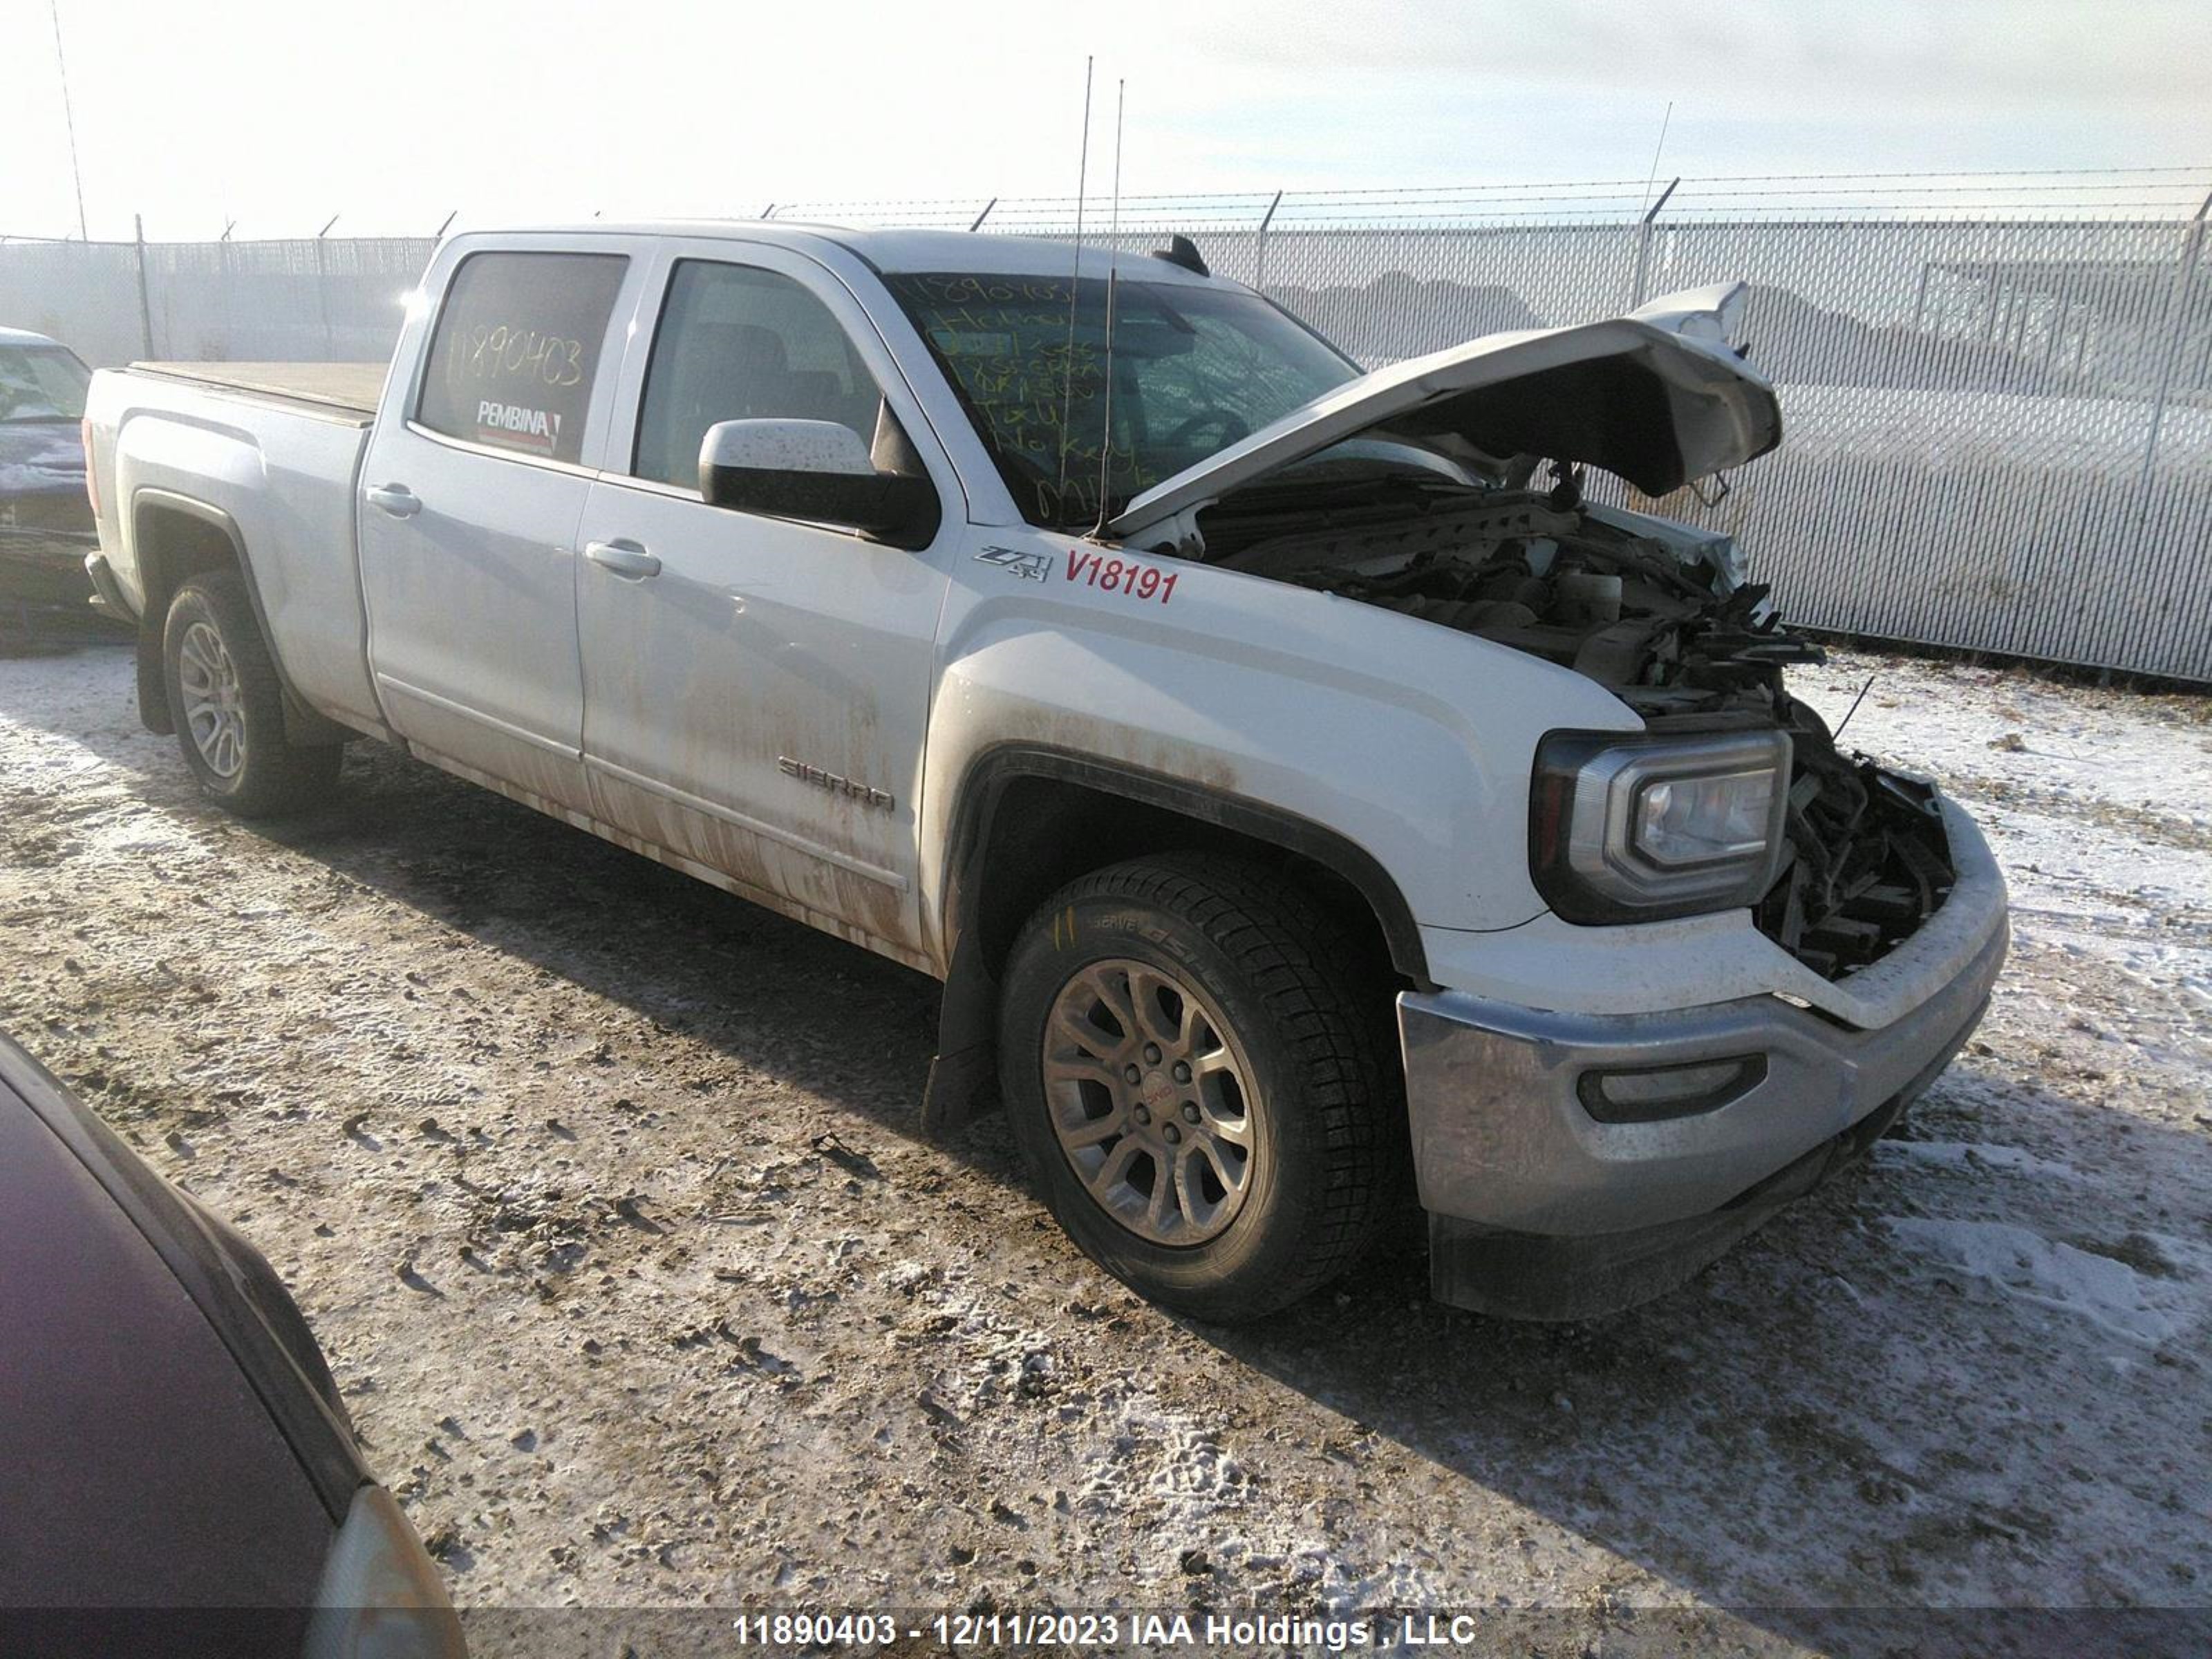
964	1077
153	693
962	1086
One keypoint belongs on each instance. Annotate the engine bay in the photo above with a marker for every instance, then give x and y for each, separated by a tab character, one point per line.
1677	636
1538	572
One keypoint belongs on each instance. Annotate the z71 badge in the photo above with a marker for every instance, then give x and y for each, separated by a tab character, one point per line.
1029	567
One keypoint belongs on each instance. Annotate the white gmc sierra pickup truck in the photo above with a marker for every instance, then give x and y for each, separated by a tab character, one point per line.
1306	794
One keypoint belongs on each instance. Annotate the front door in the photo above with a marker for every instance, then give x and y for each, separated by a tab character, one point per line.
475	481
756	689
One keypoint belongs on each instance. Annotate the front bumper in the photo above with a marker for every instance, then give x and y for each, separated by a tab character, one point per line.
1505	1147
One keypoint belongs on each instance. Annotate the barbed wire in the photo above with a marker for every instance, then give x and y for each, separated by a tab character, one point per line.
2204	171
2043	193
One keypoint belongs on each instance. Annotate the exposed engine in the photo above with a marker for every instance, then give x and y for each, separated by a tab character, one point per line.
1679	640
1538	573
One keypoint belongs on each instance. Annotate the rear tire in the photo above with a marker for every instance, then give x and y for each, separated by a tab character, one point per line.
228	705
1197	1093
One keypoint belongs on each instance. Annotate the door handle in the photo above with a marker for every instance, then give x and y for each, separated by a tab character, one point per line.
398	500
626	559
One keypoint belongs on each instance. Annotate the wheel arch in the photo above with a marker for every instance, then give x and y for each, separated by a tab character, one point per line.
175	538
1029	818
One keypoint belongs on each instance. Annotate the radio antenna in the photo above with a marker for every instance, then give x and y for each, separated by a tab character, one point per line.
1074	295
1852	710
1113	276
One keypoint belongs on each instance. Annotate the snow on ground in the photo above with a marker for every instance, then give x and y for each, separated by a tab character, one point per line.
603	1193
2156	1298
2100	802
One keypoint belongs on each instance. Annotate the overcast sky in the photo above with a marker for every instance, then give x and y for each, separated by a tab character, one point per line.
278	113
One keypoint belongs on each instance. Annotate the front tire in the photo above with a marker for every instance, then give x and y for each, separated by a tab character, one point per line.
229	706
1195	1087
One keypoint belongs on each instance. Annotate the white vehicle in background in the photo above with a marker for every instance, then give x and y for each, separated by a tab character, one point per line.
1307	801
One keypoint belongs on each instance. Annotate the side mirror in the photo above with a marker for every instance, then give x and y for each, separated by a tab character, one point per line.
817	471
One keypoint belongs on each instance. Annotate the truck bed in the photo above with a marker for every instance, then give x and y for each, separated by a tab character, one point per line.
271	452
346	389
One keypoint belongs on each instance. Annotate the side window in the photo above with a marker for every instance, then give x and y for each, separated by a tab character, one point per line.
515	350
737	343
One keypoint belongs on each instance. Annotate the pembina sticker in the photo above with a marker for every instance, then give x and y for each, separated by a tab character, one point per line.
519	420
1117	576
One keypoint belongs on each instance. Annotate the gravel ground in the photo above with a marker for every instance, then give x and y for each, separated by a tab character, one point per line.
603	1193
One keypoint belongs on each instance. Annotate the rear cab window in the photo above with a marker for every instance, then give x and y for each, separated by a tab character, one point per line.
516	350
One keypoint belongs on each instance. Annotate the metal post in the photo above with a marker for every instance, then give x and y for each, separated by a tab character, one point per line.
1259	254
228	260
984	215
1643	244
145	300
2192	244
69	117
323	287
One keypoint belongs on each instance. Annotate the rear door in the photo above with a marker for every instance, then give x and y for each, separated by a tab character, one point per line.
473	486
756	690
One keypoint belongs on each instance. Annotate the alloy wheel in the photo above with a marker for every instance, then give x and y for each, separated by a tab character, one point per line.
1152	1100
215	712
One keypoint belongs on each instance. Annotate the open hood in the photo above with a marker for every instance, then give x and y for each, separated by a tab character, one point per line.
1657	396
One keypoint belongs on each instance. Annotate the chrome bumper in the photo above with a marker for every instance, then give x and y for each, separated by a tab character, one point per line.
1503	1141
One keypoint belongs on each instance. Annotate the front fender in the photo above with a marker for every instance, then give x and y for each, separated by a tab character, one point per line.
1411	742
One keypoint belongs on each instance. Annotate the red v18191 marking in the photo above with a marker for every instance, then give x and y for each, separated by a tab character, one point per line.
1139	582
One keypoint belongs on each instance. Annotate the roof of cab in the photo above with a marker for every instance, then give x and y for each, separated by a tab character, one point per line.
23	336
886	250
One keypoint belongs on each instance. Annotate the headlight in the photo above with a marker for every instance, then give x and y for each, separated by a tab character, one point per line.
1633	827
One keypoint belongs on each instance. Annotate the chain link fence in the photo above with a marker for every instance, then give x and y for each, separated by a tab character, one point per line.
1997	393
311	300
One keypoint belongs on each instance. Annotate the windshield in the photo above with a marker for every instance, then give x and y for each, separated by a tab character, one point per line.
1195	368
41	383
